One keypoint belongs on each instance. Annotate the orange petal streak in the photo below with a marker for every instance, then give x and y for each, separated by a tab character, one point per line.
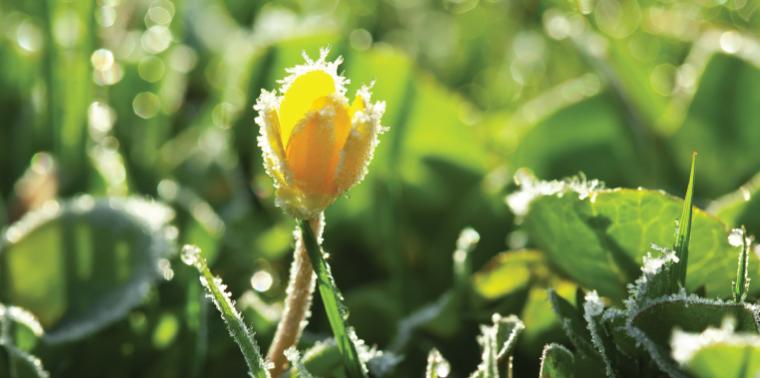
314	147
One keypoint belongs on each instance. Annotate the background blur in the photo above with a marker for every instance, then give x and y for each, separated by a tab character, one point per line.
154	98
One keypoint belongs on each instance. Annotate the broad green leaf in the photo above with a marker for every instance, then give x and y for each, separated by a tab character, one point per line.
741	207
717	353
575	137
722	126
497	342
101	256
653	324
600	240
557	362
508	273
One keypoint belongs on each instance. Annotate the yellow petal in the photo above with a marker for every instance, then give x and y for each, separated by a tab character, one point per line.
356	106
269	138
300	97
356	153
314	147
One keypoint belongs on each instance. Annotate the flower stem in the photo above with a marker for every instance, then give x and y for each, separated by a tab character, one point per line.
334	307
297	303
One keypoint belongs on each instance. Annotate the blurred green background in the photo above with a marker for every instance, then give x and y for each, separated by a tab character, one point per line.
153	98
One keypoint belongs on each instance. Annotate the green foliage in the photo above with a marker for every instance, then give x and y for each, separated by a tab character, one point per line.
718	353
100	258
608	231
557	362
153	99
217	292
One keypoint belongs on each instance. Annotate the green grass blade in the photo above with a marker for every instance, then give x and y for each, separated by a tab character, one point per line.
333	302
741	285
683	233
216	290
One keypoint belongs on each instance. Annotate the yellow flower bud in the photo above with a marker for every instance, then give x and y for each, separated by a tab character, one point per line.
315	145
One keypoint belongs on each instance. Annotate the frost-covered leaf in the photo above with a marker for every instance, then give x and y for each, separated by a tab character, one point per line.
497	342
217	293
101	256
557	362
593	310
652	324
19	327
573	324
717	352
19	331
599	237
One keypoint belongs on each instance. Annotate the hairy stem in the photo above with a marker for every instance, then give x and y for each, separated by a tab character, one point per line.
297	303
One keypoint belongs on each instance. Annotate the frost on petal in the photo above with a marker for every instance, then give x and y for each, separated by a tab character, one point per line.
305	84
361	143
269	137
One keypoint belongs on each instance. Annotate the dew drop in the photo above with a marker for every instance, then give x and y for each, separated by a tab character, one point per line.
262	281
736	237
191	255
746	194
443	369
731	42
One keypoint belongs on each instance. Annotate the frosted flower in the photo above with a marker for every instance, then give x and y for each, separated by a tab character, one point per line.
315	145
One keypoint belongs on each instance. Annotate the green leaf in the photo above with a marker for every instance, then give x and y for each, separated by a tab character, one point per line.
100	258
557	362
217	292
437	366
727	96
508	273
741	207
741	283
683	232
542	325
497	342
574	137
717	353
599	237
572	323
652	325
333	302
